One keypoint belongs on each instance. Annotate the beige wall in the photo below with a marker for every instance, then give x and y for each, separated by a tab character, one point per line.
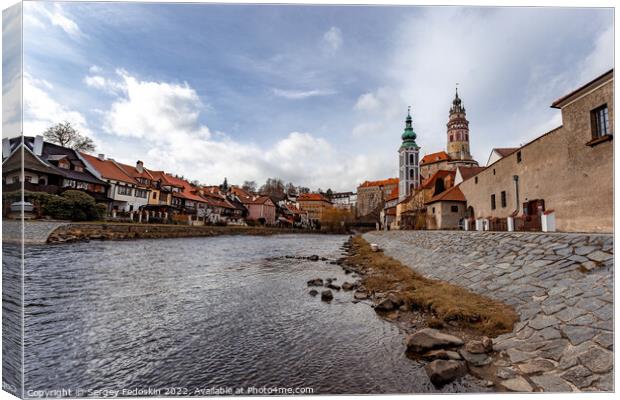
443	216
574	179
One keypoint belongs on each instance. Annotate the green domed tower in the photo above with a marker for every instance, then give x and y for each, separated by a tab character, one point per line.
409	158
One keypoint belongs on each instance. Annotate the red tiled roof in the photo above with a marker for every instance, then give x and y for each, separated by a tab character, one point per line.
393	194
430	182
108	169
435	157
468	172
312	197
559	102
384	182
256	200
452	194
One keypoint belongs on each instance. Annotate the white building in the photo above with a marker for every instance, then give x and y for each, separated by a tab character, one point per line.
409	168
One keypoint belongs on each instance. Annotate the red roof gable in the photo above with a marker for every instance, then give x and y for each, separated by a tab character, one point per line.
468	172
393	194
312	197
108	169
384	182
435	157
452	194
430	182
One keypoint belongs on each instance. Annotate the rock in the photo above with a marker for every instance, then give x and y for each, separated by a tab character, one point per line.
360	295
348	286
579	376
487	343
395	299
444	371
518	355
536	366
518	384
384	305
428	339
313	257
476	347
332	286
600	256
505	373
476	360
543	321
327	295
442	355
315	282
313	292
551	383
578	334
597	360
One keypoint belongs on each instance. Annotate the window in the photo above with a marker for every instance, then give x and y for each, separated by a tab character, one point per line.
124	190
141	193
154	195
518	156
493	202
433	210
503	199
64	164
28	178
493	171
600	122
454	209
78	168
452	138
476	180
410	158
411	173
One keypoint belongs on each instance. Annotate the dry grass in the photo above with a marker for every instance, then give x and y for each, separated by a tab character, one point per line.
441	300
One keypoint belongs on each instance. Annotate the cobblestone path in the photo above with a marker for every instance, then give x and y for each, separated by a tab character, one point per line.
35	232
561	285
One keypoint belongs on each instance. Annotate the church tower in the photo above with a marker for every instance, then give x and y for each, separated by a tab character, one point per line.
458	131
409	169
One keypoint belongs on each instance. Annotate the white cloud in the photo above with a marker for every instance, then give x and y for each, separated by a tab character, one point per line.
54	15
95	81
165	119
95	69
42	110
332	39
301	94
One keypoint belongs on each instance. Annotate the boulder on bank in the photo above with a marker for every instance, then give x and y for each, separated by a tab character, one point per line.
445	371
313	292
332	286
360	295
327	295
482	346
442	355
315	282
429	339
348	286
476	360
384	305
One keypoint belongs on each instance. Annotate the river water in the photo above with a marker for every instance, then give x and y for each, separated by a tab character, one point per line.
203	313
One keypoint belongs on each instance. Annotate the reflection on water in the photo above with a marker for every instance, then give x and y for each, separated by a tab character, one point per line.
200	313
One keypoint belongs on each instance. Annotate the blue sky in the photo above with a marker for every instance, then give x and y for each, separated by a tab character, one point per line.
316	95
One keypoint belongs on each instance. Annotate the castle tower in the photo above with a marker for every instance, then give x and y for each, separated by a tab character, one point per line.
458	131
409	169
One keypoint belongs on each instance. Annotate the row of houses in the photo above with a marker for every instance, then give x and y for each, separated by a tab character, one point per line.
140	194
560	181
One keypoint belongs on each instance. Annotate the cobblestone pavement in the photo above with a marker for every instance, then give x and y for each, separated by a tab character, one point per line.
560	284
35	232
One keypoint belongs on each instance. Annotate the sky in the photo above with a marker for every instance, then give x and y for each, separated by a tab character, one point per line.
315	95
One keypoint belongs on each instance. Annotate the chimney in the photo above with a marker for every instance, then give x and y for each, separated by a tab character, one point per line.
38	145
101	156
140	166
6	147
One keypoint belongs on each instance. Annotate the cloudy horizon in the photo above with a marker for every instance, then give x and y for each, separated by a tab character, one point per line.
315	95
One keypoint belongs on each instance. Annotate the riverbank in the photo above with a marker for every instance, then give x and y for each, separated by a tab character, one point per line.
447	326
50	231
122	231
560	284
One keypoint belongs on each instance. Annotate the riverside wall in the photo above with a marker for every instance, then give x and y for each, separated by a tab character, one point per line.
561	285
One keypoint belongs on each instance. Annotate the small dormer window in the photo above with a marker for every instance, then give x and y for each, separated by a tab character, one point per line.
64	164
78	168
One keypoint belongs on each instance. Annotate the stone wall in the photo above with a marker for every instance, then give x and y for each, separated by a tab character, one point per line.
85	231
561	285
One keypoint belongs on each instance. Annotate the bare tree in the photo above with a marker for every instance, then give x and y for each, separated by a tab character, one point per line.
249	186
65	135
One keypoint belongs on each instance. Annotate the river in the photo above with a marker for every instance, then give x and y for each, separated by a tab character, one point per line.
203	313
